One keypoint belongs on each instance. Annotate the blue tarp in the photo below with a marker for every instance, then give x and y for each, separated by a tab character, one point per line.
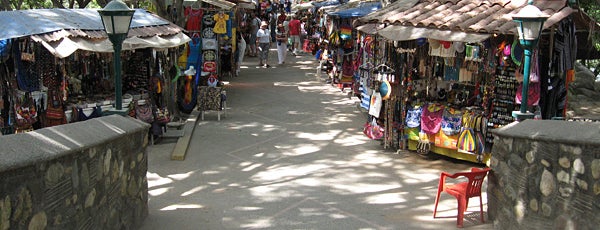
359	11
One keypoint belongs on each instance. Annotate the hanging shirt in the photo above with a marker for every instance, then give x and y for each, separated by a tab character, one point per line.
220	23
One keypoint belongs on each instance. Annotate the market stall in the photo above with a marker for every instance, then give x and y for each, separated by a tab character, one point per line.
58	70
446	84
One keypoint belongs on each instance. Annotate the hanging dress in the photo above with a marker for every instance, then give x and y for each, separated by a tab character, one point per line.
194	18
194	53
220	23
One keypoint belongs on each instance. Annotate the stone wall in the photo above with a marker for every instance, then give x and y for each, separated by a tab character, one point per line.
84	175
545	175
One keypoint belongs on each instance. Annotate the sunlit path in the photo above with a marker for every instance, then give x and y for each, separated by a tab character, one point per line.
290	154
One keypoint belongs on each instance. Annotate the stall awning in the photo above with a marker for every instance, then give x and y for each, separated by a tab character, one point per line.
303	6
63	31
359	11
68	45
468	16
326	3
221	4
404	33
370	28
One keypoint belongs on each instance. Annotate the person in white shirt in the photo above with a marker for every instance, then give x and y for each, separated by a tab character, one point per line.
264	43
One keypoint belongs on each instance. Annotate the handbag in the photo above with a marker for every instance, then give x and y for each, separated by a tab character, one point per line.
144	113
372	130
451	122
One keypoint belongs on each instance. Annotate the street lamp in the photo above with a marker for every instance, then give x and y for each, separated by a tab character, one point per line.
531	23
116	18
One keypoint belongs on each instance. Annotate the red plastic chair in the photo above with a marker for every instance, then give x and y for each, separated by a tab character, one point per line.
462	191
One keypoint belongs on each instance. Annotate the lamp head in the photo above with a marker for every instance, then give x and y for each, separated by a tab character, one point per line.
530	21
116	17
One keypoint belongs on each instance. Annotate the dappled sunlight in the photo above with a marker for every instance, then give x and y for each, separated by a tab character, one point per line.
349	139
181	206
370	157
245	208
312	89
312	182
193	190
385	198
297	150
343	101
155	180
323	136
258	223
181	176
285	83
251	167
277	173
355	187
159	191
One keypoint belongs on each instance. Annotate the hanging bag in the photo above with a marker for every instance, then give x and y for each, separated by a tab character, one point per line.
375	106
372	130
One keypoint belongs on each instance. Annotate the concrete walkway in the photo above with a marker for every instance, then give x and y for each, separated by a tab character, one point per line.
290	154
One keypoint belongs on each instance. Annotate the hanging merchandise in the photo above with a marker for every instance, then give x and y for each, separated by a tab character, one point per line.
431	118
385	89
195	46
220	23
209	44
193	18
372	130
347	70
143	111
375	106
451	121
208	33
345	32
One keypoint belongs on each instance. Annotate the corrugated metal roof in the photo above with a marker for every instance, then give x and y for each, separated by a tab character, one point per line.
471	16
57	23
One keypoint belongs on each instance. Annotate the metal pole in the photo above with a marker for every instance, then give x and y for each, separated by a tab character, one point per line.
117	41
525	89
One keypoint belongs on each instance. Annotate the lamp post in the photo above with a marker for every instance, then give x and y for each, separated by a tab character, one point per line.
531	22
116	18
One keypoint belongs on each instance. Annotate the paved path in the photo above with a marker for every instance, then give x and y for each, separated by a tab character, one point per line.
290	154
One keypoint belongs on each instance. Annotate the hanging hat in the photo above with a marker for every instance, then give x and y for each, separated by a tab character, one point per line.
446	44
191	71
434	44
459	46
421	41
385	89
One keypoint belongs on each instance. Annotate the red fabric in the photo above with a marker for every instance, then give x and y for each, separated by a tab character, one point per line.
194	17
294	27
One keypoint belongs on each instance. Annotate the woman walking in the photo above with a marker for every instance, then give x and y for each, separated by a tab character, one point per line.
282	38
264	43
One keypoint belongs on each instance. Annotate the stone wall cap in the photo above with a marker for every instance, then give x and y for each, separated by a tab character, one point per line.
45	144
572	132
